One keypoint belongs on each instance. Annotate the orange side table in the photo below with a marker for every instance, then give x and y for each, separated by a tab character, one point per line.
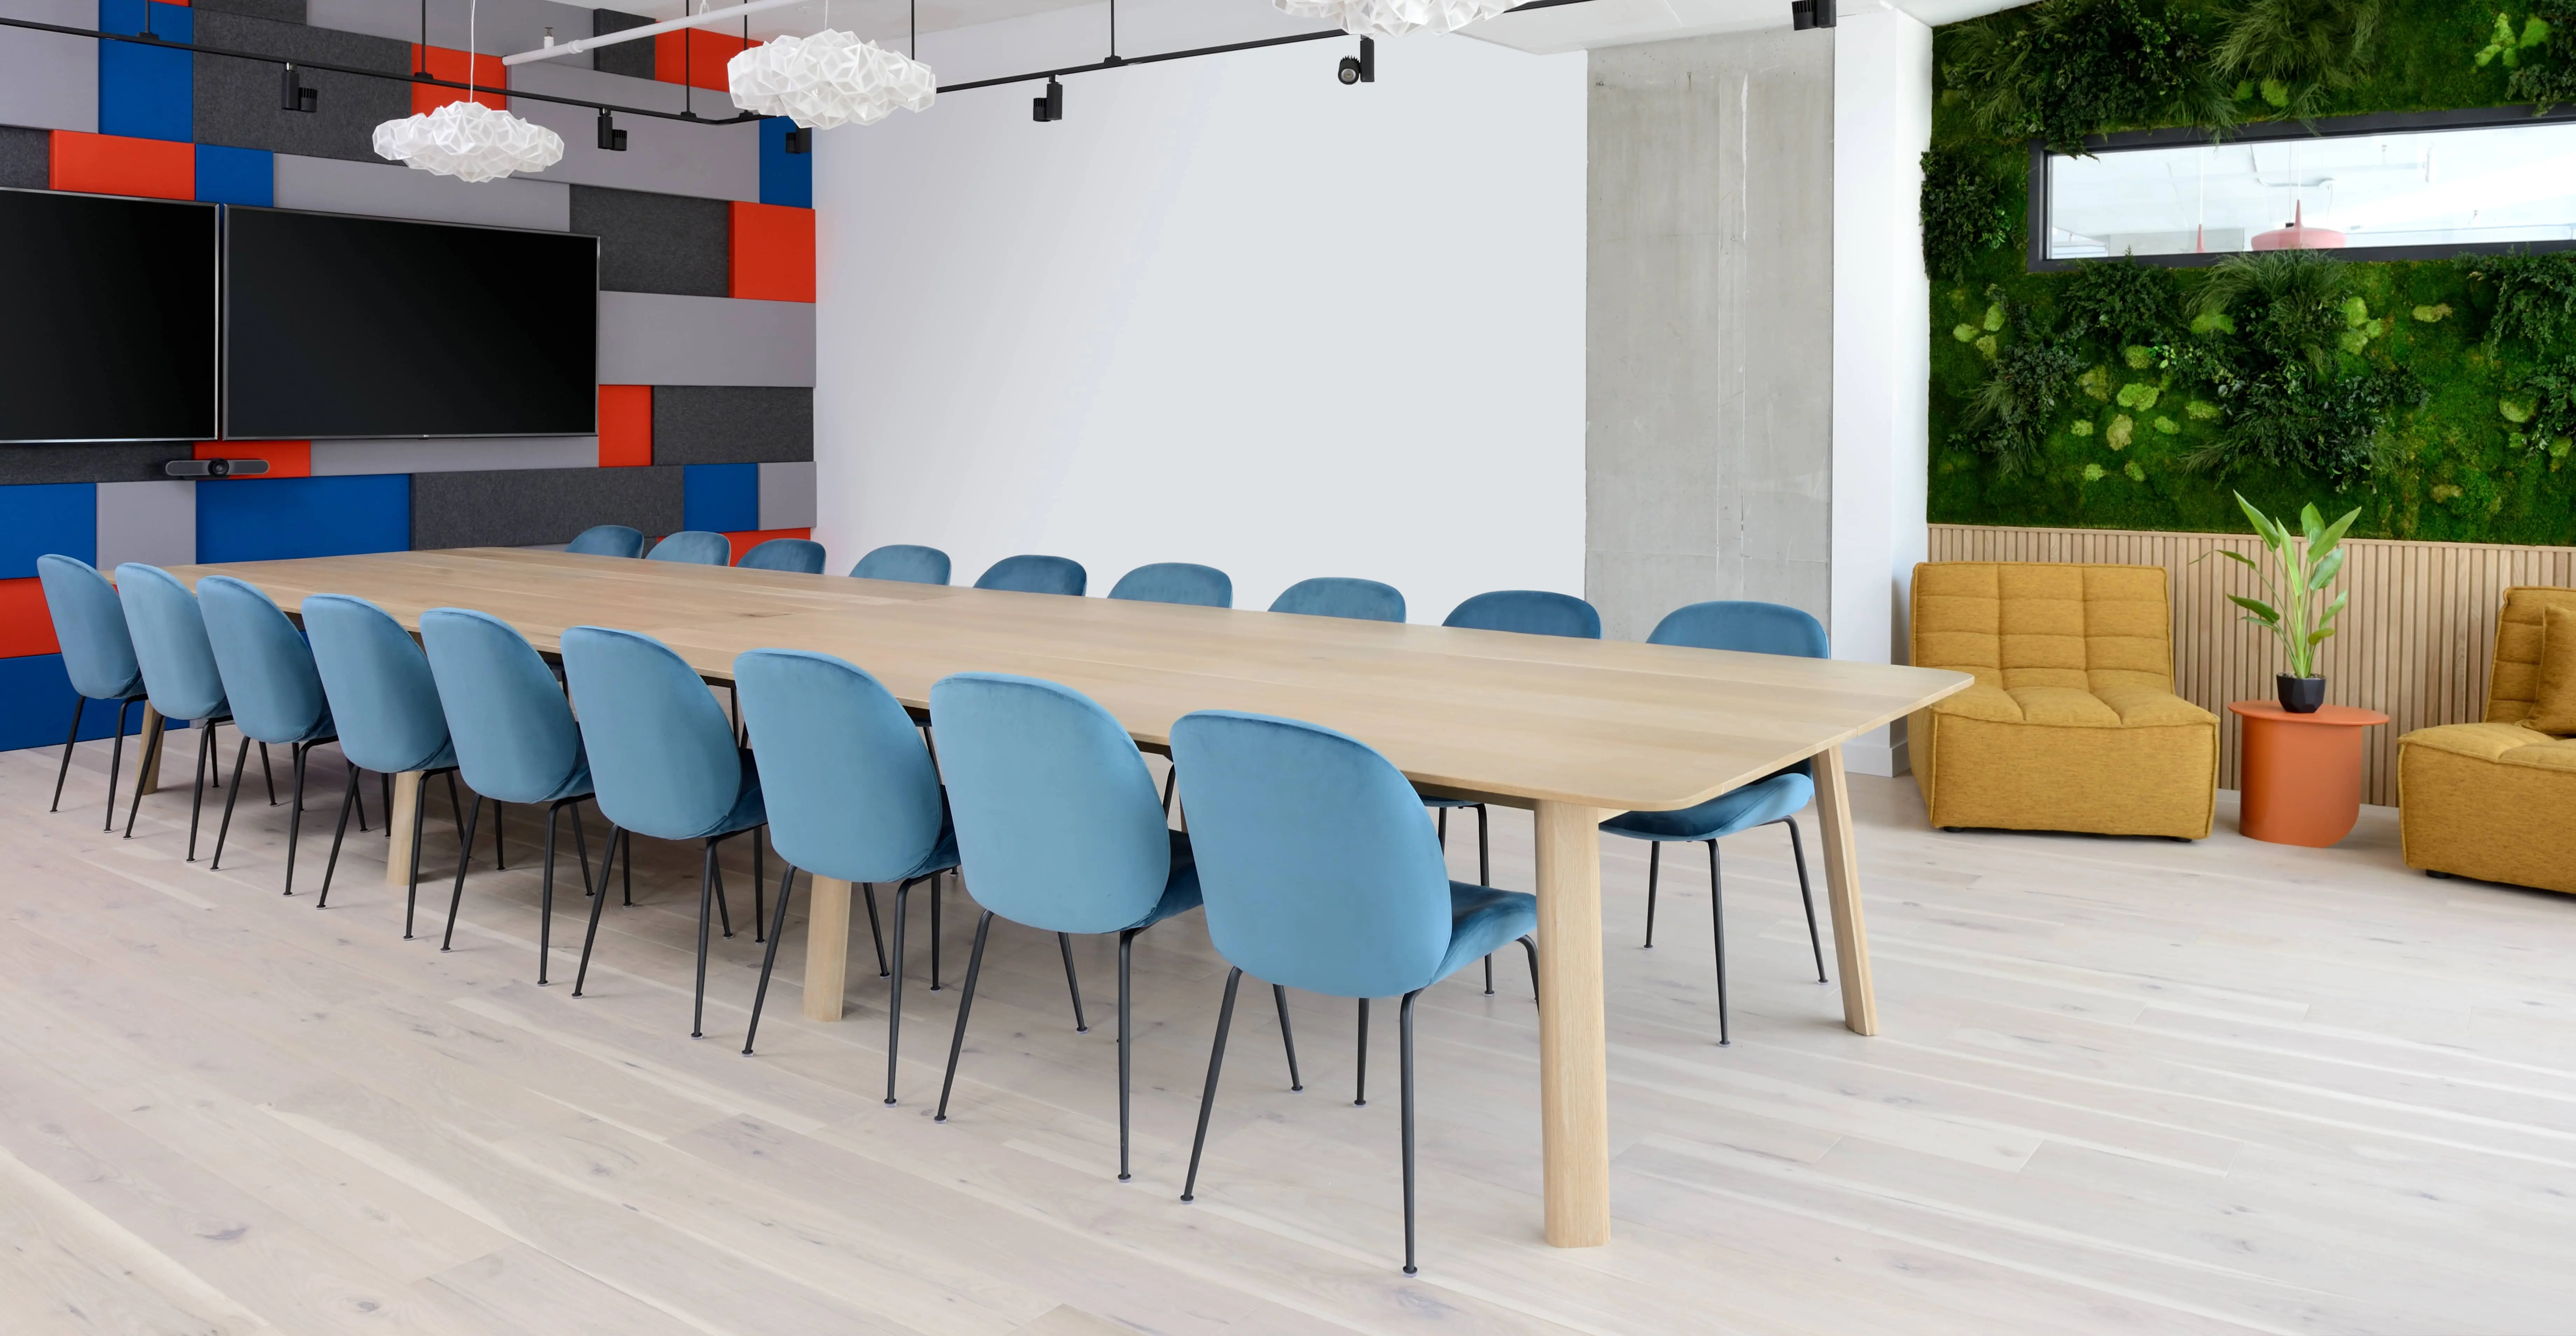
2301	775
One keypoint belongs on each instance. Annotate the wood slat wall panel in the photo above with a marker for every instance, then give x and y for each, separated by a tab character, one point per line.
2415	641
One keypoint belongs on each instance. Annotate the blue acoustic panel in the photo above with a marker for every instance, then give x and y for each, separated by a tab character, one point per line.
57	517
721	498
651	242
144	93
236	175
785	178
150	522
269	519
787	496
653	338
47	80
237	99
390	190
36	710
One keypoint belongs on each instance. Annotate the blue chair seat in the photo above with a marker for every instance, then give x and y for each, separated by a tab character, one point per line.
1484	920
1756	804
748	810
1181	892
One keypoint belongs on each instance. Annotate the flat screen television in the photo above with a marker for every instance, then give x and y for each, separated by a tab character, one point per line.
107	318
341	326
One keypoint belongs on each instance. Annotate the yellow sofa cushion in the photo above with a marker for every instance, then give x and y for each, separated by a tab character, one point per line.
2513	685
2503	744
2553	706
2038	624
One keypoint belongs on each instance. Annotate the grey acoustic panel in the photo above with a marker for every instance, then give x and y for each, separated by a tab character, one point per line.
154	522
633	59
121	462
787	495
275	11
390	190
236	100
500	28
731	424
672	157
525	507
658	243
337	458
48	80
651	338
26	156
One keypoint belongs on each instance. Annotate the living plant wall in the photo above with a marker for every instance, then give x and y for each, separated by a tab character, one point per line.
2438	396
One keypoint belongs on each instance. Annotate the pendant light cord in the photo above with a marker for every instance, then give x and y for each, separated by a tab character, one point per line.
470	8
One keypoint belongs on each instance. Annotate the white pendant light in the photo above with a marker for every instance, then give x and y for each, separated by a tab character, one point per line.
1395	18
831	78
466	139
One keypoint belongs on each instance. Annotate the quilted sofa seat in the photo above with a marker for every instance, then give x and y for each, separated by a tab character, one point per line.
2073	723
2495	800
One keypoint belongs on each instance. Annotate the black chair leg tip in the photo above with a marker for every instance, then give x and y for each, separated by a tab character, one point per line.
889	1103
1123	1178
1359	1104
1408	1269
1187	1197
1082	1029
939	1117
1295	1088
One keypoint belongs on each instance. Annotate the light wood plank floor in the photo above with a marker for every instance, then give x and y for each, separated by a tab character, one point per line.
2124	1086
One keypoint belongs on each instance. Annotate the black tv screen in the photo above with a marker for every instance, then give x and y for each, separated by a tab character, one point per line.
107	318
339	326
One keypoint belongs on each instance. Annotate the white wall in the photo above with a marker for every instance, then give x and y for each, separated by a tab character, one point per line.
1227	311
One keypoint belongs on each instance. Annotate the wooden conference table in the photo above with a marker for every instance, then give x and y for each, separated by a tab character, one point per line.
1574	730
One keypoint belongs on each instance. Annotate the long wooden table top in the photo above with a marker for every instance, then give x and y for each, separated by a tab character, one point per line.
1511	718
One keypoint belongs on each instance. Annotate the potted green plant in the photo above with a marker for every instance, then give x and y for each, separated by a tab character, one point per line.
2304	563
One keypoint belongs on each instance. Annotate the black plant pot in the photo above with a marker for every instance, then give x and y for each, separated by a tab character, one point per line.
2301	695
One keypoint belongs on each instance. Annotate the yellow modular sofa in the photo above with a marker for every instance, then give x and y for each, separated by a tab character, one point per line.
2073	723
2495	800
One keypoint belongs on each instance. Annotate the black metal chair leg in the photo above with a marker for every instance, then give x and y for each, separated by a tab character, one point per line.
1717	925
1441	817
419	818
1654	871
868	892
333	864
1287	1036
224	827
295	818
218	765
197	798
143	768
361	797
1359	1093
706	906
457	896
1207	1097
934	932
498	821
769	954
64	771
456	809
546	890
580	839
385	790
598	901
724	911
1485	877
1064	944
1489	975
965	1007
1404	1085
1170	774
894	995
1798	851
115	762
759	879
1126	1046
266	775
1531	946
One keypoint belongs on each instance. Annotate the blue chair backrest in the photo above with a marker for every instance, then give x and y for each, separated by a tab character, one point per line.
1319	865
908	562
1536	612
89	624
662	755
1754	628
515	736
785	554
383	698
170	643
695	546
851	791
1176	582
608	540
1341	596
269	678
1058	824
1036	575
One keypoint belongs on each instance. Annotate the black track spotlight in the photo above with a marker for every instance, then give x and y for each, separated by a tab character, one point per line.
1361	68
1825	17
292	95
1048	106
801	139
610	137
1805	14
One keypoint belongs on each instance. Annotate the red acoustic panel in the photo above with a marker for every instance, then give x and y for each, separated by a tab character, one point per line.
703	54
286	459
26	626
773	252
448	63
625	426
116	165
744	542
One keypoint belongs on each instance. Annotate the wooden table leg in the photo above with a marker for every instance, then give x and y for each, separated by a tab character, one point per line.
1573	1038
827	947
147	775
1842	892
398	824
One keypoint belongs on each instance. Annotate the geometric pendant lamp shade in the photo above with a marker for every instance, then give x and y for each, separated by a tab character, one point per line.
831	78
470	142
1395	18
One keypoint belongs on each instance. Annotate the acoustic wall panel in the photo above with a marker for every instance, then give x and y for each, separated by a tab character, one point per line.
785	178
484	72
652	338
47	80
339	458
652	242
130	461
56	517
729	424
673	157
695	56
236	175
268	519
285	459
26	156
772	253
236	100
145	92
390	190
119	165
275	11
152	522
625	425
787	495
633	59
721	498
26	624
526	508
744	540
36	703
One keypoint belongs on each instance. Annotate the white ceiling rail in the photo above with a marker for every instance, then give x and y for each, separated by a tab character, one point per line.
707	19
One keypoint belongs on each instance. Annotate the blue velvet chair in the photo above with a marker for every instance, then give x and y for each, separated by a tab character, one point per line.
516	742
1036	575
1176	582
1320	873
275	692
385	704
1341	596
665	765
1058	827
852	794
908	562
98	655
696	547
608	540
179	675
1756	628
785	554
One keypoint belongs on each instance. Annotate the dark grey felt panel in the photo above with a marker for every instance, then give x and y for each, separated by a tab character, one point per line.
121	462
524	507
275	11
236	100
26	157
632	59
676	244
732	424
